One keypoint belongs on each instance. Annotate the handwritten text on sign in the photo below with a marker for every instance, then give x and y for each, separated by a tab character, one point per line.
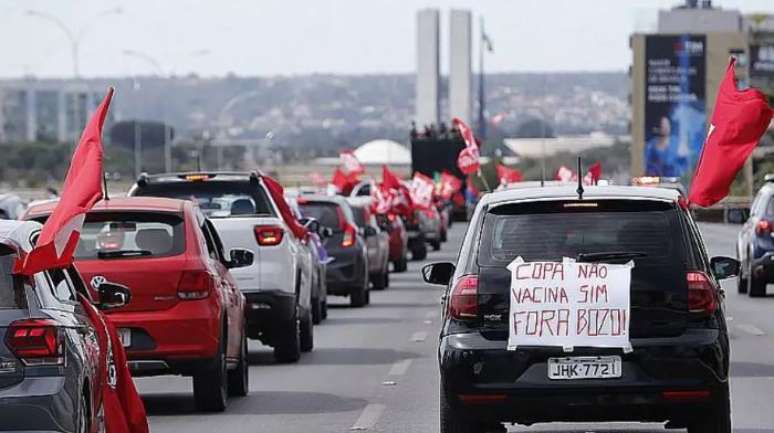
569	304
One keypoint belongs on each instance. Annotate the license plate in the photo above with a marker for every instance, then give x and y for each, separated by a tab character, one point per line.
587	367
125	335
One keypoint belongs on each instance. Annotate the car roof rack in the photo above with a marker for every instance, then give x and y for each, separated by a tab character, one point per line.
145	178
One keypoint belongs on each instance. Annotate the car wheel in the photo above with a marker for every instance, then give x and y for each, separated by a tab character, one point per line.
289	348
756	287
239	378
436	244
307	333
386	277
357	298
718	420
379	281
324	310
444	236
367	297
456	421
419	252
741	285
210	382
316	311
401	264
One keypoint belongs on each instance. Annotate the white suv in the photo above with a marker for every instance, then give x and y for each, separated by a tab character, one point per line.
278	284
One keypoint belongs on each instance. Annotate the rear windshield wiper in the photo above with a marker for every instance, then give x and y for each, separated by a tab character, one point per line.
123	253
609	255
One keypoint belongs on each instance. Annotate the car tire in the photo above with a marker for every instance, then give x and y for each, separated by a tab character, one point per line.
717	420
367	297
288	350
444	236
436	244
316	311
307	333
741	285
401	264
419	252
324	310
386	277
456	421
379	281
756	287
210	382
239	378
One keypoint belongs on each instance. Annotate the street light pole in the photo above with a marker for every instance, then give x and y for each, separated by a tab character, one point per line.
481	96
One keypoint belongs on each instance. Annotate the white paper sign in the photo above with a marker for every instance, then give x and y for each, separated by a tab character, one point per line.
568	304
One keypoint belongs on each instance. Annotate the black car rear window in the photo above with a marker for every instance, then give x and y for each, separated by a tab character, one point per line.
217	199
553	230
11	288
360	216
113	235
327	213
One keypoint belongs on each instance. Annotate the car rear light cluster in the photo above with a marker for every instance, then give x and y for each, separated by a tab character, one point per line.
702	296
350	236
269	235
194	285
36	342
463	299
763	228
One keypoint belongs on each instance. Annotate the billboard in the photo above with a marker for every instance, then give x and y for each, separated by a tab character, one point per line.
762	60
675	115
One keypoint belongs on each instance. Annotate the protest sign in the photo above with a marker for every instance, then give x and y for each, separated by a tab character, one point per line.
569	304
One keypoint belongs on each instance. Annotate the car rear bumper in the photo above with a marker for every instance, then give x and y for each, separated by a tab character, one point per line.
347	271
513	386
37	405
190	330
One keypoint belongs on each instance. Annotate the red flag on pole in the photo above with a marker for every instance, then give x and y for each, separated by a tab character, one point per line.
422	188
389	179
350	164
508	175
469	159
449	185
278	195
738	122
593	174
81	190
564	174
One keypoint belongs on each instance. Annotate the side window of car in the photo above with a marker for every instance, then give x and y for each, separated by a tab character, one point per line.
215	239
211	248
61	286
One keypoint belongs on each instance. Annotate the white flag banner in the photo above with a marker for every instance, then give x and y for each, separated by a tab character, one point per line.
569	304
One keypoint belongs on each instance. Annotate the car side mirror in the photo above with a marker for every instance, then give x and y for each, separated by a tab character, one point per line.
369	231
724	267
113	296
325	232
240	258
439	273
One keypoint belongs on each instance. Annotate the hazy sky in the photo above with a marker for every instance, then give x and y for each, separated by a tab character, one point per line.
271	37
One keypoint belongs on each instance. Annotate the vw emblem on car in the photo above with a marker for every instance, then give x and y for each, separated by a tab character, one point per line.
97	281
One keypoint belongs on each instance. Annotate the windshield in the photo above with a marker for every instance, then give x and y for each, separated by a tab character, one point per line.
108	235
216	199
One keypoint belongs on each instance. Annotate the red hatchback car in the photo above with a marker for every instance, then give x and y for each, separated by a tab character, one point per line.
186	315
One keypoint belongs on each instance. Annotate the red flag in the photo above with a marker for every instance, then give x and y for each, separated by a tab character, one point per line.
278	194
81	190
381	199
595	172
739	121
390	179
508	175
450	184
421	190
469	159
339	180
350	164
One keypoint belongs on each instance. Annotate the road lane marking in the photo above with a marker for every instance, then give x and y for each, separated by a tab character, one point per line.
428	322
368	417
751	329
419	337
400	367
431	314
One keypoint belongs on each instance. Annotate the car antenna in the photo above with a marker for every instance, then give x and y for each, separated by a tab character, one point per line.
105	186
580	180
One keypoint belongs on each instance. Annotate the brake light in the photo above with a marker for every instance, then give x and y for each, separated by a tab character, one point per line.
702	297
482	398
35	342
763	228
686	395
463	301
194	285
350	236
268	236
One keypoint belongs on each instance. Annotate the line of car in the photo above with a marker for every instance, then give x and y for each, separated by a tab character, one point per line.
190	266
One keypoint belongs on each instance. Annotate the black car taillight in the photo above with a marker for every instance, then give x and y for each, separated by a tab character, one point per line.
702	296
463	299
36	342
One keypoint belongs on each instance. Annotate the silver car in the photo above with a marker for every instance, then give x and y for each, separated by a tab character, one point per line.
49	354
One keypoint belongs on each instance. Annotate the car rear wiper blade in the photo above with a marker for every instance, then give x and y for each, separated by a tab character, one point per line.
123	253
609	255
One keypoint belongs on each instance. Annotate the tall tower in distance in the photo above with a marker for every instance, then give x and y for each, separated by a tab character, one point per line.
460	65
428	105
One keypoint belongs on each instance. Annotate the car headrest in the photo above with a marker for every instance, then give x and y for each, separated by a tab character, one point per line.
157	241
242	206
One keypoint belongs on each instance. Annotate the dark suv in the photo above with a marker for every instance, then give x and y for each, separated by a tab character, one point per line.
755	246
677	371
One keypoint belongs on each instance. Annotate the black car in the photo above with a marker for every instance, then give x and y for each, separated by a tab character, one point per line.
755	245
347	275
678	369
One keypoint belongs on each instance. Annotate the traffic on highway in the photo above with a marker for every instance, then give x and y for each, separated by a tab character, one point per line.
259	241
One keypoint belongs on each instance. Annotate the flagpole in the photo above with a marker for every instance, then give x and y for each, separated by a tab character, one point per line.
481	87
